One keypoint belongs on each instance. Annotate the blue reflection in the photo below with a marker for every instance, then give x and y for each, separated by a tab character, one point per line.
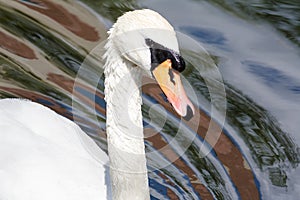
205	35
273	77
98	100
161	189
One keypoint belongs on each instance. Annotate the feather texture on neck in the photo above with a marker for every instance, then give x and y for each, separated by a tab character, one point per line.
124	127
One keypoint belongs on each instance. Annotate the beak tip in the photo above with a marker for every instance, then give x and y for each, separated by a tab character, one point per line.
189	113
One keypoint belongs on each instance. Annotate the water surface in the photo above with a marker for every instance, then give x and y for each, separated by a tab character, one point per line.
44	43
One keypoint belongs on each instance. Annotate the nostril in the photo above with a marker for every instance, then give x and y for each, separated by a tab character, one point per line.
189	113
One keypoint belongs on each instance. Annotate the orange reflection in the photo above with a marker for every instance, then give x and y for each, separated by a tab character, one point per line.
64	17
15	46
230	156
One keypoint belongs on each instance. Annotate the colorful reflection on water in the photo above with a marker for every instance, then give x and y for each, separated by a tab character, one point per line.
44	43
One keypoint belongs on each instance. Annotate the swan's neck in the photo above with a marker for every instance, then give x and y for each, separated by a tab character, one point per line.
125	139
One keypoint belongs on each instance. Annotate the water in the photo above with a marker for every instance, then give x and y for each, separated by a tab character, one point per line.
256	155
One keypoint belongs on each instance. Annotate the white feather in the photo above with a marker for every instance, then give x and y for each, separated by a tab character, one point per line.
46	156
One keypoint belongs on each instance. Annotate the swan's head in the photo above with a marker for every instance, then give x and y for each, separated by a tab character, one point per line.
145	39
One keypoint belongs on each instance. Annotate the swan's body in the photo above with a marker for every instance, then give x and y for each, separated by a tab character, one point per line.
45	156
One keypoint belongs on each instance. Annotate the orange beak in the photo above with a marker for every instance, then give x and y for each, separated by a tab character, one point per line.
170	83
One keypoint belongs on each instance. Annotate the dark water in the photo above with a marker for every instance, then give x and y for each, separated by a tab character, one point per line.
254	46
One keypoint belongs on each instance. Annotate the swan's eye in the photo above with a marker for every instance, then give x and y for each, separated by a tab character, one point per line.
159	54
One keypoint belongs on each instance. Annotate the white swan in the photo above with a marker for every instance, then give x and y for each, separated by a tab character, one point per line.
46	156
